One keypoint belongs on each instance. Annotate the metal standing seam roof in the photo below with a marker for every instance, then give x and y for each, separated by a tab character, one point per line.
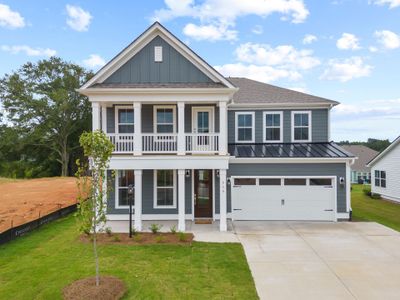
289	150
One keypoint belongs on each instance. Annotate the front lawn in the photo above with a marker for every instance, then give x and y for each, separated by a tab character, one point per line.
39	265
377	210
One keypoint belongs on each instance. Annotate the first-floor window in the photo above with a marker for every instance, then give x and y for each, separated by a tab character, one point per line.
125	178
380	178
164	188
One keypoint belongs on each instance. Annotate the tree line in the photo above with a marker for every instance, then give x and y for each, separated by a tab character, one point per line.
375	144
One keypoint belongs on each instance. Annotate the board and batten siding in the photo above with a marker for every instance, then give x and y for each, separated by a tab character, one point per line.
295	169
142	68
390	163
319	125
148	196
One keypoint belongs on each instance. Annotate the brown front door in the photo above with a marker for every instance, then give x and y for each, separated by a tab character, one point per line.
203	193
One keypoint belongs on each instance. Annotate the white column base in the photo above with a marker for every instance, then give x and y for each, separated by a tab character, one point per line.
181	200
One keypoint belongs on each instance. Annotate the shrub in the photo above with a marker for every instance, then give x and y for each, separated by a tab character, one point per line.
117	238
134	231
173	229
138	238
108	231
367	190
182	236
375	196
160	239
155	228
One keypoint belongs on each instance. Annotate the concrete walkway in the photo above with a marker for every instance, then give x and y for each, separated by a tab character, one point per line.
313	260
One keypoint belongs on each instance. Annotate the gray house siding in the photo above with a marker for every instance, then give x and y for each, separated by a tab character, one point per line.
319	126
331	169
142	68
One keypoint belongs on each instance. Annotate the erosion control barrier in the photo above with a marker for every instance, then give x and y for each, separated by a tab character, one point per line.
13	233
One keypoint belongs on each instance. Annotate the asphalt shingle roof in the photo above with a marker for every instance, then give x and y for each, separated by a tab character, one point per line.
364	154
255	92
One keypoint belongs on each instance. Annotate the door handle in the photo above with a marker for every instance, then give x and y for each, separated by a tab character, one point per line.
195	199
282	201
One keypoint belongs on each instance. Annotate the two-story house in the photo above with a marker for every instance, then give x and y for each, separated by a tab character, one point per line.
198	145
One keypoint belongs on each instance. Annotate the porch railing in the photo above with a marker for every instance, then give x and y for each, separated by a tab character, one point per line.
202	142
123	142
159	143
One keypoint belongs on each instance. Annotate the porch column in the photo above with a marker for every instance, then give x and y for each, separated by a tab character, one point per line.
138	200
181	200
222	199
137	139
181	128
104	118
95	116
348	186
223	125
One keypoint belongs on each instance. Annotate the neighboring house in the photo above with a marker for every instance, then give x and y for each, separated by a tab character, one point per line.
198	145
360	173
385	171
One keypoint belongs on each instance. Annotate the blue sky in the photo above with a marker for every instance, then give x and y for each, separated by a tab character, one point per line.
345	50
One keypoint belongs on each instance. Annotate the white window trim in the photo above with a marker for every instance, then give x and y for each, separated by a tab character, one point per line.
117	205
211	110
117	108
155	107
265	126
309	125
155	192
237	114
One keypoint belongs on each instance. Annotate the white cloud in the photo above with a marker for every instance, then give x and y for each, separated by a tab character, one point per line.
347	69
258	29
309	38
29	51
224	13
348	41
10	18
373	49
392	3
265	63
78	19
209	32
94	61
388	39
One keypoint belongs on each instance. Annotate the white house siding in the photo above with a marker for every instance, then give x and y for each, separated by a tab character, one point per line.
390	163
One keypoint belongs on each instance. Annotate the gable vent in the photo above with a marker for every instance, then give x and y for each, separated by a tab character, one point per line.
158	53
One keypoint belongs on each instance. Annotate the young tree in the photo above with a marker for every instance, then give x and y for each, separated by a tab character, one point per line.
41	100
98	148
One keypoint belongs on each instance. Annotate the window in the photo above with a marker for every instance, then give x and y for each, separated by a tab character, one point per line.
295	181
269	181
158	54
244	127
164	194
164	117
123	180
301	126
273	127
380	178
245	181
320	181
125	120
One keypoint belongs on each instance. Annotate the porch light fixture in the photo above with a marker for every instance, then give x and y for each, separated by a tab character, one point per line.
228	181
217	173
130	196
187	173
341	180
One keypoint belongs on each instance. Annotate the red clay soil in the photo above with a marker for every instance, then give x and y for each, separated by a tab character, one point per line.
110	288
24	200
141	238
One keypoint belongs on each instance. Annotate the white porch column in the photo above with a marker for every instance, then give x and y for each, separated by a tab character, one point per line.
181	200
95	116
181	128
223	128
222	199
138	200
104	118
137	139
348	187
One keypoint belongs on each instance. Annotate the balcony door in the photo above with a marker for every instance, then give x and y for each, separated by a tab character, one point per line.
202	127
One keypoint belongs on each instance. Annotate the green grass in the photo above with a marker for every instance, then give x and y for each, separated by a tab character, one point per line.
377	210
40	264
7	180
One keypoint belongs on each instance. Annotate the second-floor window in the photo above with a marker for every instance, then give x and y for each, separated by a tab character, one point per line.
301	126
164	119
273	127
125	120
245	127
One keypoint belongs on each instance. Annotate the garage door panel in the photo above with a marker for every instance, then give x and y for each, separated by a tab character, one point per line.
256	202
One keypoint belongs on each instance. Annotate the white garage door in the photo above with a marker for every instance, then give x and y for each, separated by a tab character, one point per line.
283	198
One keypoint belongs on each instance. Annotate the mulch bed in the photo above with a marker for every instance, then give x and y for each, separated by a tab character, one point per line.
141	238
110	288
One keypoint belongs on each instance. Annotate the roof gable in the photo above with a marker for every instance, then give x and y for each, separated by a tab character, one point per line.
392	146
120	67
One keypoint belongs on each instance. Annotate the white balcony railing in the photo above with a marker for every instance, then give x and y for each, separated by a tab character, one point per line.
202	142
159	142
166	142
123	142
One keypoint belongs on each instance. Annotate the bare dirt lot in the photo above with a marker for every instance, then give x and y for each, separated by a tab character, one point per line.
22	201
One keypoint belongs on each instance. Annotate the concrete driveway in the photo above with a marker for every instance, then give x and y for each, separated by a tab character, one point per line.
313	260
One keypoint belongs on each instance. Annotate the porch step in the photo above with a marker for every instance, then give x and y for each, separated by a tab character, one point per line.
203	221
